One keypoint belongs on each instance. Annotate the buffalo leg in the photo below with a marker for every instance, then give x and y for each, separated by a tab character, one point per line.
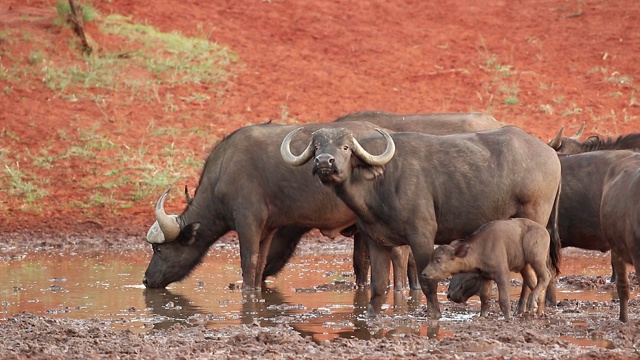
361	260
263	253
622	284
380	267
538	293
400	262
250	232
529	281
412	273
502	280
613	274
485	295
422	255
283	246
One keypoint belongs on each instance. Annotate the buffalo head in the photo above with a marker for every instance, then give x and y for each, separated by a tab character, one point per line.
331	151
463	286
567	145
175	251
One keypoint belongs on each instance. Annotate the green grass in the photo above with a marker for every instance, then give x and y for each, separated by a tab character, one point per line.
63	9
157	58
18	184
504	80
172	57
161	63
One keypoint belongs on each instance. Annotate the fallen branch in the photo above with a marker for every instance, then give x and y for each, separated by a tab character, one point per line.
77	22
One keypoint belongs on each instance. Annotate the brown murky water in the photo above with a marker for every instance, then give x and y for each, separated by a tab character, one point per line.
314	294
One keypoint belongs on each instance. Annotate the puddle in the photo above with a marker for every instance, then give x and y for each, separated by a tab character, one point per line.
603	343
108	285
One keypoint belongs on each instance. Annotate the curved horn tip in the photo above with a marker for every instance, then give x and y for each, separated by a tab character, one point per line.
557	141
376	160
287	155
167	224
578	133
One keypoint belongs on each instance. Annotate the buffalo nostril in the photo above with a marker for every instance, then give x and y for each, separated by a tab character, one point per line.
144	281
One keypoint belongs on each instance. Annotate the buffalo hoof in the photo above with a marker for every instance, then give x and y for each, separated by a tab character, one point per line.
434	314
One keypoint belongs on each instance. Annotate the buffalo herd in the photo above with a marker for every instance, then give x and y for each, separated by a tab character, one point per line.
402	184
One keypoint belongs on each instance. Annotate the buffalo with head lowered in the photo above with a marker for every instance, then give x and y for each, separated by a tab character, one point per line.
246	187
578	213
424	190
573	145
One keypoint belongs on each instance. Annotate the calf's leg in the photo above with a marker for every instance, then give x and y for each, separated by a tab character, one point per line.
502	280
538	292
485	296
529	281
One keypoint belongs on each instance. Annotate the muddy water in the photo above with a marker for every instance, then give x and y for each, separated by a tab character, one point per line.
313	295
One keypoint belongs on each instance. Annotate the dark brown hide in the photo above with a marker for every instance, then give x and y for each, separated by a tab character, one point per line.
620	221
463	180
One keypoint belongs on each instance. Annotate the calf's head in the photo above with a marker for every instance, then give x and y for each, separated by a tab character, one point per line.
446	260
175	251
335	151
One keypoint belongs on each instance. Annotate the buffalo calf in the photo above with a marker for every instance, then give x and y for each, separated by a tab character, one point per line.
494	250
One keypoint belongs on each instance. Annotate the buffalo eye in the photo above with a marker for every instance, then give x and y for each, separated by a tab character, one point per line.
345	148
156	249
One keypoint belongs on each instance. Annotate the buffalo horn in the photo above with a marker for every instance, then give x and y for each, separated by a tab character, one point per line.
287	155
579	132
187	196
168	224
375	160
557	141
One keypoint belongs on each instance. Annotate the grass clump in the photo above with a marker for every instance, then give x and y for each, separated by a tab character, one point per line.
19	185
172	57
139	58
63	9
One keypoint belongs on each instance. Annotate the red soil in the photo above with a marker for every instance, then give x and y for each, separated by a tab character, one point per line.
567	62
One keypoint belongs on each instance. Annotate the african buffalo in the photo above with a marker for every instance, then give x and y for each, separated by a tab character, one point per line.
246	187
439	123
495	250
435	190
620	221
572	145
434	124
578	213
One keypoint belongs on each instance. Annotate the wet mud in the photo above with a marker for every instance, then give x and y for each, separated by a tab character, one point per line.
87	302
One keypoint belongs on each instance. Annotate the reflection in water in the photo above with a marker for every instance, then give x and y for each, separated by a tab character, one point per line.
306	296
170	307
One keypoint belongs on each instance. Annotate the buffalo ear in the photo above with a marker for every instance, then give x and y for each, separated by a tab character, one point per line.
368	172
371	172
455	243
462	249
188	234
591	140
